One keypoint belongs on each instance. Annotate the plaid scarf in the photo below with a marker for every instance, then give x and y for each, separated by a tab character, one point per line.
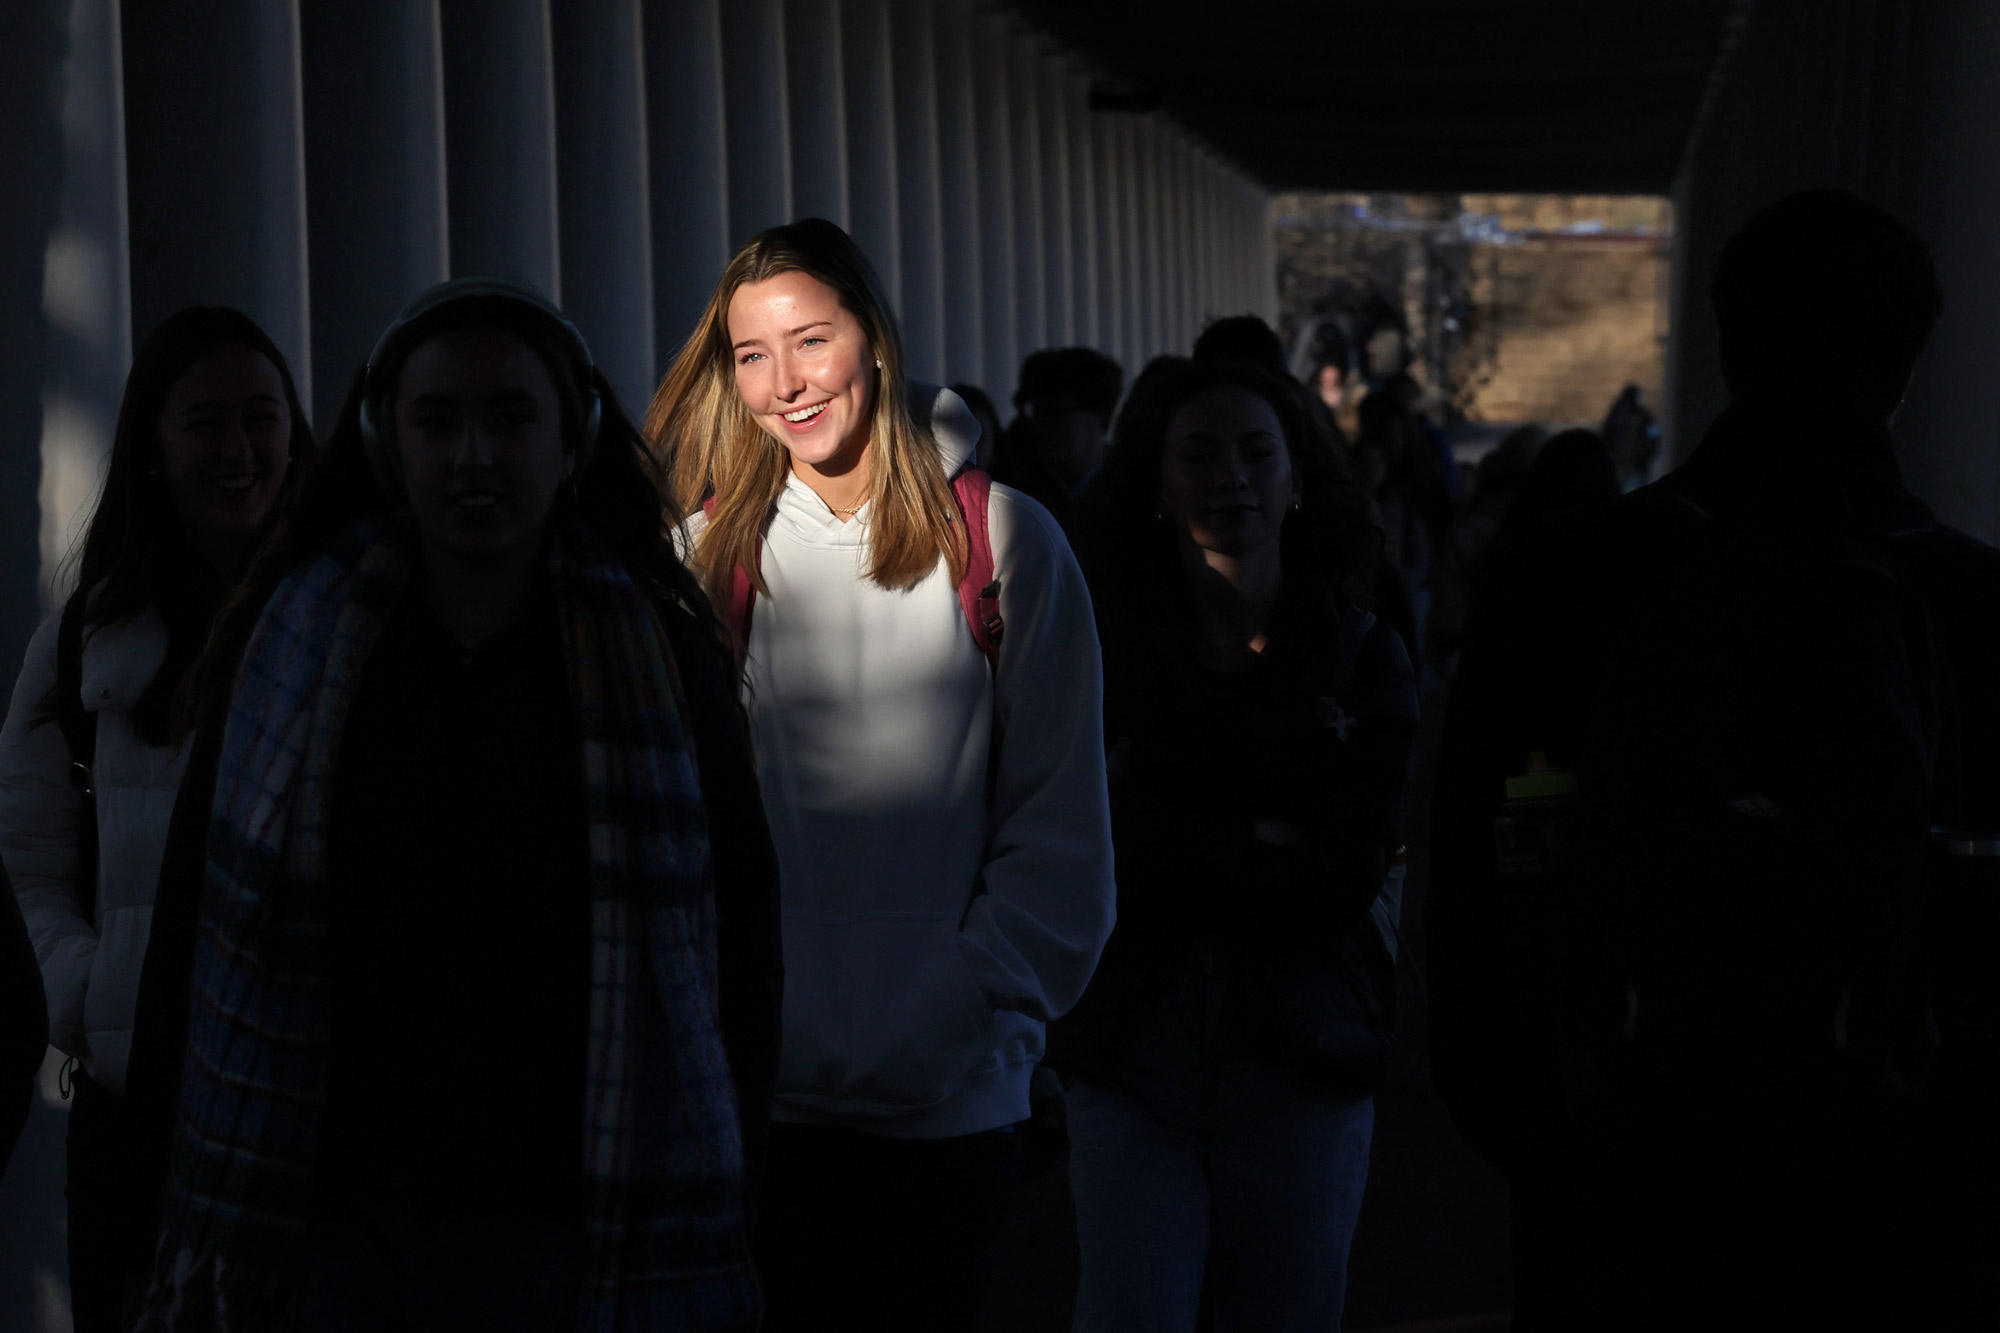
662	1151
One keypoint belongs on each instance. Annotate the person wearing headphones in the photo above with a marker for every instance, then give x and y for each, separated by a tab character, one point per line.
484	971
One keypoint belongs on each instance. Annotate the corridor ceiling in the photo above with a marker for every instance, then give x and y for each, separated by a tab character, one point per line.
1584	96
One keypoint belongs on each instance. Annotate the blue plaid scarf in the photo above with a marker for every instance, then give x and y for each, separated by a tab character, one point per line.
662	1151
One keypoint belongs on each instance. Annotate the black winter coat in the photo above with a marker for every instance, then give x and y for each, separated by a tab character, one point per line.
1534	658
1197	758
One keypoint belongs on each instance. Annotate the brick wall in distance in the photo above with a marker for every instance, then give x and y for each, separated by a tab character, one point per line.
1570	321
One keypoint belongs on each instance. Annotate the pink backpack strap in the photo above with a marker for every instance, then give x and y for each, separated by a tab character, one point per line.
979	590
736	607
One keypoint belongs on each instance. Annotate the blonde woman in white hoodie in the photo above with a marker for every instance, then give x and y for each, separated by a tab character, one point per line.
922	673
210	440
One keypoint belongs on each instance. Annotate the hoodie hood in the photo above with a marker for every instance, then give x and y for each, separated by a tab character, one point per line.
950	422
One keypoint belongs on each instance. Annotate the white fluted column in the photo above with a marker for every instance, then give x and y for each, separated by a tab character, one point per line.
1239	247
1197	280
871	140
605	210
1175	237
1211	239
757	117
817	93
374	113
1030	245
63	240
1111	289
1132	264
1086	318
215	166
1184	261
995	155
1264	292
87	301
500	136
688	159
1201	273
965	228
1058	251
1153	336
913	79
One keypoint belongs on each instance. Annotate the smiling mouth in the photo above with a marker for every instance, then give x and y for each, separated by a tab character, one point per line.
475	500
236	484
805	413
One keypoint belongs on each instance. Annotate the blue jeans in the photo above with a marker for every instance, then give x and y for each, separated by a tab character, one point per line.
1251	1179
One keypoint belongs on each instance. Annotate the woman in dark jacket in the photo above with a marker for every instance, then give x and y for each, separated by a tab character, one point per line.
484	968
1260	724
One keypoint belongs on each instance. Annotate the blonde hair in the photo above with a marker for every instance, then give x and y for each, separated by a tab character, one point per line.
712	446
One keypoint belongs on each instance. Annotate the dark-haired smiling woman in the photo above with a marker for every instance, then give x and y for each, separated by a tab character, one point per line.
1261	724
210	440
484	864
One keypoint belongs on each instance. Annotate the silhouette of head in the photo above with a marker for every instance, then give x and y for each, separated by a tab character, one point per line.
1823	299
1242	338
1065	399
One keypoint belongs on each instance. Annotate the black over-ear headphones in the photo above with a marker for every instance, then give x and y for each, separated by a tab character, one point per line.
417	318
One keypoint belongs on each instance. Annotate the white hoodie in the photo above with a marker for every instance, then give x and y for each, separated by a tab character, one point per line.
943	835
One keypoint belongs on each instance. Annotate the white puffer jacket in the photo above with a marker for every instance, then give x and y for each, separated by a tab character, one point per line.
89	968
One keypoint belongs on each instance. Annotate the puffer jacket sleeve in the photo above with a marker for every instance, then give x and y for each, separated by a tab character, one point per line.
38	835
1032	939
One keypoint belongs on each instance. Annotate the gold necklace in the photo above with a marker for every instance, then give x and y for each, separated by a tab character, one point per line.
850	513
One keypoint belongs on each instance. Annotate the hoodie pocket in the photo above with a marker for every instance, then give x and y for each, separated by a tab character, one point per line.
882	1017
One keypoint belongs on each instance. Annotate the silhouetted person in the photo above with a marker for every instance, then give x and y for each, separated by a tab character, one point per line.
24	1022
1248	340
1144	385
1260	723
485	985
1632	436
1063	407
1243	338
210	441
1689	1002
1475	525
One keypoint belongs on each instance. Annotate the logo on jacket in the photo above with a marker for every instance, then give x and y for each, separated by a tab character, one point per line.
1337	719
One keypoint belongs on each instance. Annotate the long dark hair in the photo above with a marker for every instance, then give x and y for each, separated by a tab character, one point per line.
134	554
1331	536
620	496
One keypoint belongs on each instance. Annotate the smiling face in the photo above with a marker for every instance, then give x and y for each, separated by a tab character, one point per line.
479	431
804	368
1225	471
225	433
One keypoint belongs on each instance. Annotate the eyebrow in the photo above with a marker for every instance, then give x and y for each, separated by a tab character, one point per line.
218	405
789	333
